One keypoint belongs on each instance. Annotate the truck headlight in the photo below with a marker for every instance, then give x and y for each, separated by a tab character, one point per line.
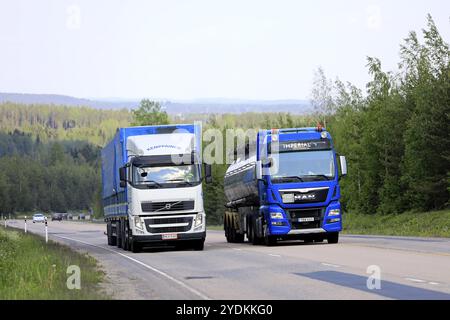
276	215
334	212
139	223
198	220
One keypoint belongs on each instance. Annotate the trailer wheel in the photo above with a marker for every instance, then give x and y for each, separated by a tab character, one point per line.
255	239
249	231
108	233
126	245
119	233
112	241
333	237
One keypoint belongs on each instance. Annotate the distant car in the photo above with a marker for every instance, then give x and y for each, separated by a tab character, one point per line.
69	217
82	216
57	217
39	217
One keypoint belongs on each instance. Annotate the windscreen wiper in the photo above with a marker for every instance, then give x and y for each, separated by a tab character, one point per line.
318	176
289	178
181	180
154	183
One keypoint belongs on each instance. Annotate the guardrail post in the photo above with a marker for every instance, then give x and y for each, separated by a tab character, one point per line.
46	232
25	226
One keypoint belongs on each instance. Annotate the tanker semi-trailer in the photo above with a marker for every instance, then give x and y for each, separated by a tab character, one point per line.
287	188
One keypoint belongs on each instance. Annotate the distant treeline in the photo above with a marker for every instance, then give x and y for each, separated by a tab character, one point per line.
50	122
54	176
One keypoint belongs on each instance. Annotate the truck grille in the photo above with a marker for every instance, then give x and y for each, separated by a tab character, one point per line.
167	206
317	214
150	224
319	195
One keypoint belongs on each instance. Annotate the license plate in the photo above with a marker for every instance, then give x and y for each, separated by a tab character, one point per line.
306	219
169	236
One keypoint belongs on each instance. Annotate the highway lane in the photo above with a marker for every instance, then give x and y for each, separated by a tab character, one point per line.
411	268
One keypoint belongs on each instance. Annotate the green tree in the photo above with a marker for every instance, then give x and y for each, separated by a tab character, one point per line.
149	113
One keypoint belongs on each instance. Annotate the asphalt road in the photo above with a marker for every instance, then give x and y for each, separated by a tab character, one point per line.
410	268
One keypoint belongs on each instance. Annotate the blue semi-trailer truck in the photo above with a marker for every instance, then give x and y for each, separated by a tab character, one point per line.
152	186
285	186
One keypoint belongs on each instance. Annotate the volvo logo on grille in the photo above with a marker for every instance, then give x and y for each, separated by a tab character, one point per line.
168	206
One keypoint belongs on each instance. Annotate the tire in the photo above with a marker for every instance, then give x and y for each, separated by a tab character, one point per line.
250	233
126	244
333	237
270	241
239	238
108	233
119	233
135	247
199	245
255	239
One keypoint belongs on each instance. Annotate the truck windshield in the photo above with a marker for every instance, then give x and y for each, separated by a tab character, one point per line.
304	166
164	175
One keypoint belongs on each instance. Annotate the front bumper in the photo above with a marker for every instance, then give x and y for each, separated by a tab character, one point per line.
181	237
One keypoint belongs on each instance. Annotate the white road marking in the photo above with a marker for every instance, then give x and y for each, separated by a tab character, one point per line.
330	265
415	280
162	273
274	255
433	283
237	249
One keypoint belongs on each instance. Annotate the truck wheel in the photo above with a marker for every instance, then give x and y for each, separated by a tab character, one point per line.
119	233
112	241
239	238
255	239
126	245
270	241
333	237
108	233
135	247
250	233
199	245
318	240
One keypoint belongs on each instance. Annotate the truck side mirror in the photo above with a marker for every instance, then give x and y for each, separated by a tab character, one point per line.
258	170
208	173
343	162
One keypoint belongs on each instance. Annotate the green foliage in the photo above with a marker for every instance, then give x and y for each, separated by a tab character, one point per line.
419	224
149	113
50	122
397	138
57	176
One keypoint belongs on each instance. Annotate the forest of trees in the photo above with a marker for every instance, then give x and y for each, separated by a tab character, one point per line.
395	134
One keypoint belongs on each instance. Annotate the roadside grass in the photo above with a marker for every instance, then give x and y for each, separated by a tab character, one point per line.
215	227
30	269
420	224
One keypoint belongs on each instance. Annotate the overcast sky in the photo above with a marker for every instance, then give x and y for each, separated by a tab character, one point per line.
175	49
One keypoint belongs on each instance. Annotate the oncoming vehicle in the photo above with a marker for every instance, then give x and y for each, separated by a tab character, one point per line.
286	188
39	217
57	217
